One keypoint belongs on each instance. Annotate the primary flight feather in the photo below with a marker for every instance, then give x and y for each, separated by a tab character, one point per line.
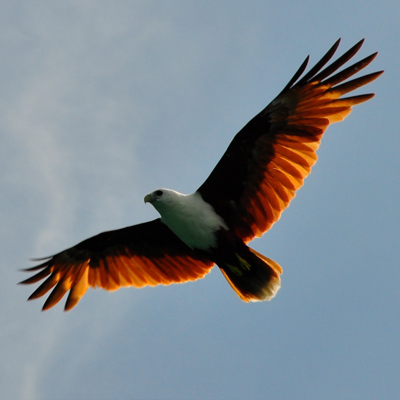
242	198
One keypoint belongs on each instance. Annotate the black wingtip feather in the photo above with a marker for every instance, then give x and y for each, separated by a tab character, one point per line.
339	62
349	71
320	64
315	75
356	83
296	75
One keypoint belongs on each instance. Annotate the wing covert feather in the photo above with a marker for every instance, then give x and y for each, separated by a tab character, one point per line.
139	255
268	160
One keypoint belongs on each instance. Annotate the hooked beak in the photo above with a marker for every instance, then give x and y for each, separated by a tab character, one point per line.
148	198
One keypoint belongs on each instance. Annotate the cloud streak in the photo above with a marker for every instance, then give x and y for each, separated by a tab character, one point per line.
103	102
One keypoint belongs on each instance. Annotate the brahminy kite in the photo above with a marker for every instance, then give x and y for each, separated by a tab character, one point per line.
245	194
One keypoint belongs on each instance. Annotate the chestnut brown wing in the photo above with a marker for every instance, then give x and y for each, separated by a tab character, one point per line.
267	161
139	255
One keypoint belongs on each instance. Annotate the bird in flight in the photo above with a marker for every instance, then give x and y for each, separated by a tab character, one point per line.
245	194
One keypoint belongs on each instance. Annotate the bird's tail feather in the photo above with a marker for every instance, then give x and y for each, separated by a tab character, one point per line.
254	278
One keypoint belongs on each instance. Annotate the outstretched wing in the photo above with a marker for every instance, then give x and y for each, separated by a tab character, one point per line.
269	158
139	255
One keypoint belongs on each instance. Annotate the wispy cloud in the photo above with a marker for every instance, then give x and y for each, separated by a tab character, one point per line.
102	102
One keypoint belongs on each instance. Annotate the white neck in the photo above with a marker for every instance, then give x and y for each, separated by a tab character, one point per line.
192	219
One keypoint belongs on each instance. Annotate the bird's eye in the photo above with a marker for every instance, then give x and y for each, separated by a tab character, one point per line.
159	192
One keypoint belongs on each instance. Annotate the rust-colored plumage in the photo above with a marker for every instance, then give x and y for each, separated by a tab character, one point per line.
255	180
140	255
273	154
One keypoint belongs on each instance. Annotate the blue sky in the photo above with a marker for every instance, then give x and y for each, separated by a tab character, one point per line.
101	103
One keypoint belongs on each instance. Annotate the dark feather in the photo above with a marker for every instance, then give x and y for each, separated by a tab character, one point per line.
139	255
282	141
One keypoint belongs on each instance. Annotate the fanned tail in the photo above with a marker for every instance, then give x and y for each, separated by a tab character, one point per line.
255	277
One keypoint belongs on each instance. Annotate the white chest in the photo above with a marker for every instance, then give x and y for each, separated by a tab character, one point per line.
193	220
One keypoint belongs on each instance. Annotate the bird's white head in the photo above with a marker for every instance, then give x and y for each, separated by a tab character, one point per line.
163	199
192	219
